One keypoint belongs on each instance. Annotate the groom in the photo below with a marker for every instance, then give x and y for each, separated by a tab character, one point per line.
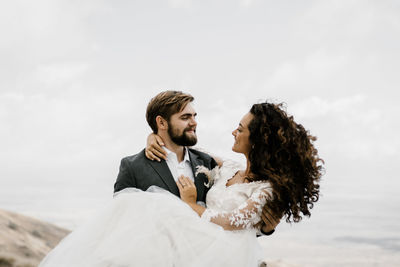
172	116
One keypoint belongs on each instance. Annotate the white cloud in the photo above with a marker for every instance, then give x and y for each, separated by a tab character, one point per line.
59	73
180	3
246	3
355	127
316	106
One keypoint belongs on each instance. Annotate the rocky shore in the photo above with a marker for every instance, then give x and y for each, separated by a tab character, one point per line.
24	241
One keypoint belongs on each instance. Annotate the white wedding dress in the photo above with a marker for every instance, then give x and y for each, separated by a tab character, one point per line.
155	228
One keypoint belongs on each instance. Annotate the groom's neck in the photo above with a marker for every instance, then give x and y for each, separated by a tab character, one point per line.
177	149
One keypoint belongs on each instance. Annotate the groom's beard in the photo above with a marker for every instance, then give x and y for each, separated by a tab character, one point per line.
183	139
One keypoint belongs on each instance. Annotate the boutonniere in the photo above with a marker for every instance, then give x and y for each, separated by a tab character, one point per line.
210	174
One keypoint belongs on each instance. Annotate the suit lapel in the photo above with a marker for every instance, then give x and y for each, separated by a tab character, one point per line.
163	171
199	179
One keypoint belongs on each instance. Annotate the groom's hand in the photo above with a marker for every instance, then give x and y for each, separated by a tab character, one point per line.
187	189
270	220
154	150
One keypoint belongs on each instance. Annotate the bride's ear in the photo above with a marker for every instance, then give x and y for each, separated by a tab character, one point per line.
162	124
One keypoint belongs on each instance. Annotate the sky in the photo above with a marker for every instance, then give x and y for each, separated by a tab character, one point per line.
76	77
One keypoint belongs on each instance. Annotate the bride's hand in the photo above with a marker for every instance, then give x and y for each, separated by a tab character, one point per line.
187	189
154	150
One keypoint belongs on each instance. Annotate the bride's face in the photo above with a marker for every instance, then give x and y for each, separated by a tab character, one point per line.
241	133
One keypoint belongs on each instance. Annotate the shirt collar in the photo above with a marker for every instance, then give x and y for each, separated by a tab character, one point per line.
185	158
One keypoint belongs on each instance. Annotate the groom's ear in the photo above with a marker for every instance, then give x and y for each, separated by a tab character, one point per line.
162	124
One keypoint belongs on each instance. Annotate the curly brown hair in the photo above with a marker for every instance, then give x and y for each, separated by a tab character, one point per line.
283	153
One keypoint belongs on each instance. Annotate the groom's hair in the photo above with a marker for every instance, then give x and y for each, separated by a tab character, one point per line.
166	104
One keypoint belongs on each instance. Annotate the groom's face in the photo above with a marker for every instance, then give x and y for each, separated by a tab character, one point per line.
182	127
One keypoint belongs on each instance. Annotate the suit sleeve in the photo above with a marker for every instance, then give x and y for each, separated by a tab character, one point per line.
125	177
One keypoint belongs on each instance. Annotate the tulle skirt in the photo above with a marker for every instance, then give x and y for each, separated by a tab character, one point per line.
155	228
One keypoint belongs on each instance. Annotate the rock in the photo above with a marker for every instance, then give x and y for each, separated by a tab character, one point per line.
24	241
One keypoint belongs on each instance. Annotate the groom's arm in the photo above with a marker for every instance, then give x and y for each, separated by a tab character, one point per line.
125	176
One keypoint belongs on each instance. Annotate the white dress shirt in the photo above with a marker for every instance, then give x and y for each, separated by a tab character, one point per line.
179	168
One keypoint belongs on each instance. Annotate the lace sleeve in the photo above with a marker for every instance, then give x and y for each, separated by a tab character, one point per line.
246	216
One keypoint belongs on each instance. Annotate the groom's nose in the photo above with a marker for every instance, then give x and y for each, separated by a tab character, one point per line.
193	122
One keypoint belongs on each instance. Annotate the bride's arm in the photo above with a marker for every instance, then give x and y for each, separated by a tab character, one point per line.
188	193
154	150
246	216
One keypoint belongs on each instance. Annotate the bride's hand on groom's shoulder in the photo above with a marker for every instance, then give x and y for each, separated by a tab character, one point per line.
187	189
154	150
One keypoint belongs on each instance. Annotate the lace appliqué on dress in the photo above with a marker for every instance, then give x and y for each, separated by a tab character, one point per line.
246	215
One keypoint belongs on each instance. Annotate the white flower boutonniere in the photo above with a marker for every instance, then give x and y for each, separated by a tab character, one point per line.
212	175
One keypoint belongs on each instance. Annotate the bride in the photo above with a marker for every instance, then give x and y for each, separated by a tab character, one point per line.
156	228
